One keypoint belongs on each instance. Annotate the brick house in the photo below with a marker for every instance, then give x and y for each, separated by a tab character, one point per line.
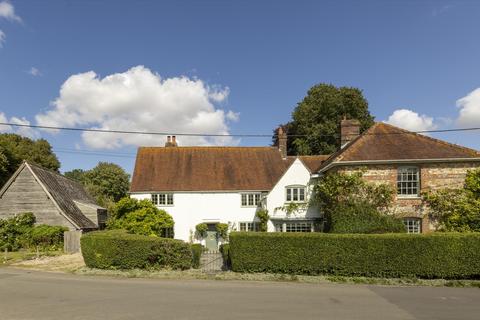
410	162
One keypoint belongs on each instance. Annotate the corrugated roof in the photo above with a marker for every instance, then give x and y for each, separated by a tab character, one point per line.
386	142
207	168
65	191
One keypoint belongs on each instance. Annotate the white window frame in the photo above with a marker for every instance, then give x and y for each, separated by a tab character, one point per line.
295	191
413	225
248	226
250	199
162	199
402	172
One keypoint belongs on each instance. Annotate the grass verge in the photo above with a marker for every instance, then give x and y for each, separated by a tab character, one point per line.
10	258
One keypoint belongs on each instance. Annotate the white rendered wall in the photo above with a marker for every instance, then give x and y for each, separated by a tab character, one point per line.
192	208
299	175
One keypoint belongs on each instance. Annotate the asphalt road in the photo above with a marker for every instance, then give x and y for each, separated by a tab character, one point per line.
36	295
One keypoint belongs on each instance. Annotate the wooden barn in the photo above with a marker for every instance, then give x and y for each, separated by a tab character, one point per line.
51	197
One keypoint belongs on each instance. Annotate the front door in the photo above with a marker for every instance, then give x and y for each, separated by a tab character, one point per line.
211	241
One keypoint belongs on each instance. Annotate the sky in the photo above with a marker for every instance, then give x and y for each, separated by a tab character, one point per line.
229	67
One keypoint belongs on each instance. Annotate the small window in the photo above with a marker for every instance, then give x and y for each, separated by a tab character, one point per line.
413	225
250	199
295	194
162	199
408	182
249	226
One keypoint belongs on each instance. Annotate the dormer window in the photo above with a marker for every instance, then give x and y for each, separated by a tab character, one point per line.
295	194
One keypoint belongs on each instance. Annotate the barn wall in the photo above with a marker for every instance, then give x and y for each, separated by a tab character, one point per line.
25	194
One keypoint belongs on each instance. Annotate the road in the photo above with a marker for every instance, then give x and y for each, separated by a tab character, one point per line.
37	295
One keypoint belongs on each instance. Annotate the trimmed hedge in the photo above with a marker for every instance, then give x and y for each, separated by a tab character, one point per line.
116	249
438	255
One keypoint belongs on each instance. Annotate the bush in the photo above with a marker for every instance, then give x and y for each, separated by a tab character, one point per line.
225	251
363	218
47	237
222	230
441	255
117	249
15	231
201	230
197	250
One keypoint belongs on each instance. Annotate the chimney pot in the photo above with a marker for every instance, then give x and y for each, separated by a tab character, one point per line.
174	141
349	130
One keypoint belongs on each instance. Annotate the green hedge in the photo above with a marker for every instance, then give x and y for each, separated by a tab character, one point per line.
439	255
117	249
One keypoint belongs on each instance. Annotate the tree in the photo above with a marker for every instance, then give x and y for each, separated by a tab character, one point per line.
352	205
76	174
14	149
456	209
317	119
106	182
141	217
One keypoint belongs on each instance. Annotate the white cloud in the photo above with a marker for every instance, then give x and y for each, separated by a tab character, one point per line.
410	120
7	11
2	38
469	114
23	131
34	72
140	100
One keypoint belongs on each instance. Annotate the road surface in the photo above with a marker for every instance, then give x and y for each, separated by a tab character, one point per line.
37	295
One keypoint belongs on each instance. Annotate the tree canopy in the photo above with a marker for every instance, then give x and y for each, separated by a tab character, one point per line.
14	149
317	119
106	182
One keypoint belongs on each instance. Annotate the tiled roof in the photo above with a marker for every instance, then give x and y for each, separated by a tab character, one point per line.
207	168
65	191
386	142
313	163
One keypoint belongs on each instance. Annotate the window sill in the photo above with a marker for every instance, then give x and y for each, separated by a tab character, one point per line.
403	197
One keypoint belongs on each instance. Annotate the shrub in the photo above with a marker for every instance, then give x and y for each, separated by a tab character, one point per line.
141	217
15	231
363	218
117	249
440	255
225	251
197	250
201	230
263	217
222	230
47	237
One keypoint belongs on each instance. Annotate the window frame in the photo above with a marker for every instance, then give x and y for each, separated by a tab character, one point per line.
255	197
255	226
168	199
293	191
399	187
413	225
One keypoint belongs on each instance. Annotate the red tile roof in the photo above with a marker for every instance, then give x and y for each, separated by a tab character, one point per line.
386	142
207	168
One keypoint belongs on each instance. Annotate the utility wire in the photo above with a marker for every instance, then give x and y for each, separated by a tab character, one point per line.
218	135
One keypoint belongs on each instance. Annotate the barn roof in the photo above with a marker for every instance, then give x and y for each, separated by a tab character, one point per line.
209	168
384	142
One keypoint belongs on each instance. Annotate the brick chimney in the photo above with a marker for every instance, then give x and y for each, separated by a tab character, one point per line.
171	141
282	141
349	130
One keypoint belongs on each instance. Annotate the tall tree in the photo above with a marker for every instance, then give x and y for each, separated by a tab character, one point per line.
14	149
316	119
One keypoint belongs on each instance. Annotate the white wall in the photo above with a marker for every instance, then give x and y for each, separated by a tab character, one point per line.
297	174
192	208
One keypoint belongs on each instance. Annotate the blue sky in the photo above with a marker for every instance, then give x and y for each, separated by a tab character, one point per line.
230	67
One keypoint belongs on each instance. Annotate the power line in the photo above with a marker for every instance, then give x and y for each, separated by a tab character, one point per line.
218	135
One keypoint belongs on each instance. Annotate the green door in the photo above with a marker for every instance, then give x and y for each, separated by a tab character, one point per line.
211	241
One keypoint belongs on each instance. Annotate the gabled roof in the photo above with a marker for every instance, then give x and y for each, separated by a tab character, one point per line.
63	191
208	168
313	163
384	142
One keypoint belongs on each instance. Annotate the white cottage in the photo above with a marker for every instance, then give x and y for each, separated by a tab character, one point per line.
227	185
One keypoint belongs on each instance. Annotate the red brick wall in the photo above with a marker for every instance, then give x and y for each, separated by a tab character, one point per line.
432	176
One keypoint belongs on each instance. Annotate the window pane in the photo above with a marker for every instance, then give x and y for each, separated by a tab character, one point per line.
257	199
155	199
408	181
242	226
170	199
295	194
289	194
161	199
302	194
244	199
250	199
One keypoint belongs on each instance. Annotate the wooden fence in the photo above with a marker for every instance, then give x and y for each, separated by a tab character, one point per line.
71	241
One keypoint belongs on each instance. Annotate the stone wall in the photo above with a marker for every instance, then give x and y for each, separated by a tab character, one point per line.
432	176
